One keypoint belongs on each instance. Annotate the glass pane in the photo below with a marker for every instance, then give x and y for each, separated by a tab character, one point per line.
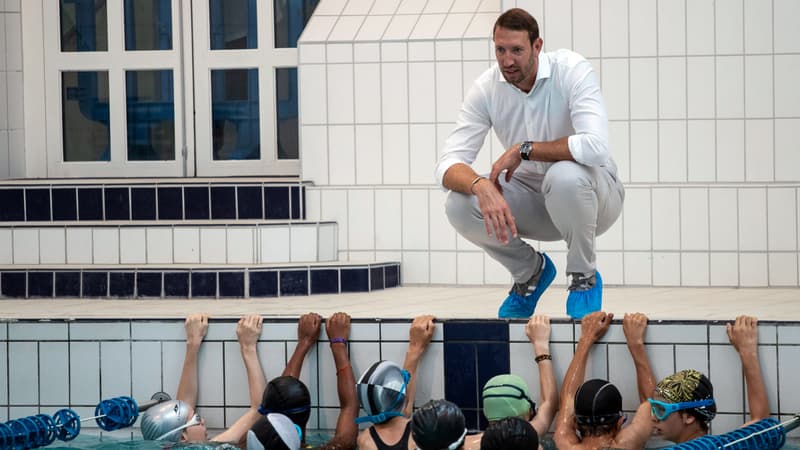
148	25
151	115
84	26
286	95
233	24
84	97
291	16
234	114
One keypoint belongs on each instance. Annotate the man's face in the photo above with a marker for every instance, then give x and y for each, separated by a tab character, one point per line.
672	427
517	57
196	433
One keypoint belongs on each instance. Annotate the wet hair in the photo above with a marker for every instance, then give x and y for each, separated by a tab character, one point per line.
438	424
511	433
598	407
288	396
518	19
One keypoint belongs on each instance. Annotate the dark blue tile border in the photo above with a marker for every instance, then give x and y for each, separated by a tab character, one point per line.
276	202
324	281
376	278
95	284
12	284
195	203
204	284
295	202
90	204
176	284
65	204
170	203
37	205
294	282
231	284
223	202
391	276
13	202
117	201
68	284
143	203
121	284
249	202
148	284
40	284
355	280
479	330
263	283
460	373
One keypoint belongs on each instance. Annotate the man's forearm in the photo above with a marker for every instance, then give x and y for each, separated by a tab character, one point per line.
754	381
256	380
551	151
459	177
296	361
645	380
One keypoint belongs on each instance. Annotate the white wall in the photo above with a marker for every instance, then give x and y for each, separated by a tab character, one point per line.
12	141
704	120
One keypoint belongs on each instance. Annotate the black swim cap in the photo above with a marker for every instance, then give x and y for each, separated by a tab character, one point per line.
597	402
288	396
511	433
437	425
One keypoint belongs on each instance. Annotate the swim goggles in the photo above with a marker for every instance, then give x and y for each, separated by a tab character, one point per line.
662	410
196	420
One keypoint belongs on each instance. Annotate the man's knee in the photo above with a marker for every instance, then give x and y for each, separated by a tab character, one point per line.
458	208
566	178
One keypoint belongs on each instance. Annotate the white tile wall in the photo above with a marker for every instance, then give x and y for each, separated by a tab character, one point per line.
26	246
186	245
84	371
54	361
759	150
212	245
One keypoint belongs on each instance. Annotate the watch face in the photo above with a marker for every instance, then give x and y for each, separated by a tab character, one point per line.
525	150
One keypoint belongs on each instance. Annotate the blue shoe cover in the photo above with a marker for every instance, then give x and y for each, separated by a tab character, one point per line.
581	303
516	306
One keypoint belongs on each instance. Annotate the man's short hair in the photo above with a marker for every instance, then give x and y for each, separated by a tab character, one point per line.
518	19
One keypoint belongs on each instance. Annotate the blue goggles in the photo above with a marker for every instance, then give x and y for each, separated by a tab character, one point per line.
662	410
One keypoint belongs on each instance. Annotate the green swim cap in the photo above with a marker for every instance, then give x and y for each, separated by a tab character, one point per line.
507	396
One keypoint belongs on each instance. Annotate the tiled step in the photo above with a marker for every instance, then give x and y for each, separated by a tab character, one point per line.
148	200
181	281
190	242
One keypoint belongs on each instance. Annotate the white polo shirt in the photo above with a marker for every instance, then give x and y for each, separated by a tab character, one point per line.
565	101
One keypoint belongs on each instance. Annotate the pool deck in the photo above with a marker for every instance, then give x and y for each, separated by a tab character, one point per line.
669	303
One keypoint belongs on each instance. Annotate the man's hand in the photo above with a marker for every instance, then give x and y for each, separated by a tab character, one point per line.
508	161
196	327
338	326
538	331
420	333
743	334
308	328
595	325
494	208
633	325
248	330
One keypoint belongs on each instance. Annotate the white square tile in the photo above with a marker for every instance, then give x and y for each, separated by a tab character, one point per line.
619	141
414	267
787	71
415	220
694	219
470	268
3	379
644	151
782	219
671	27
388	218
443	235
615	87
212	245
481	25
159	245
84	371
342	144
759	150
788	364
53	364
427	26
724	359
494	272
644	88
611	239
146	369
730	87
421	51
240	245
41	331
638	268
443	268
345	30
106	245
272	356
723	219
701	102
586	27
753	219
643	27
476	50
558	17
91	331
671	88
758	26
211	384
313	97
186	245
235	380
724	269
787	159
758	93
786	34
26	245
7	246
394	92
695	269
340	93
304	243
422	140
314	154
783	269
368	51
79	245
699	35
448	91
728	26
318	28
52	246
672	153
422	93
753	269
367	96
16	147
666	219
3	88
449	50
23	373
636	219
690	357
13	46
311	53
361	219
368	154
334	208
666	269
132	245
701	150
395	154
115	358
614	28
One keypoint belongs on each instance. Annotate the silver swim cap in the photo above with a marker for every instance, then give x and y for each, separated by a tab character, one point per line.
381	391
165	421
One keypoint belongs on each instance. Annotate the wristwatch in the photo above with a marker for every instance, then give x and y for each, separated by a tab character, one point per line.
525	150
